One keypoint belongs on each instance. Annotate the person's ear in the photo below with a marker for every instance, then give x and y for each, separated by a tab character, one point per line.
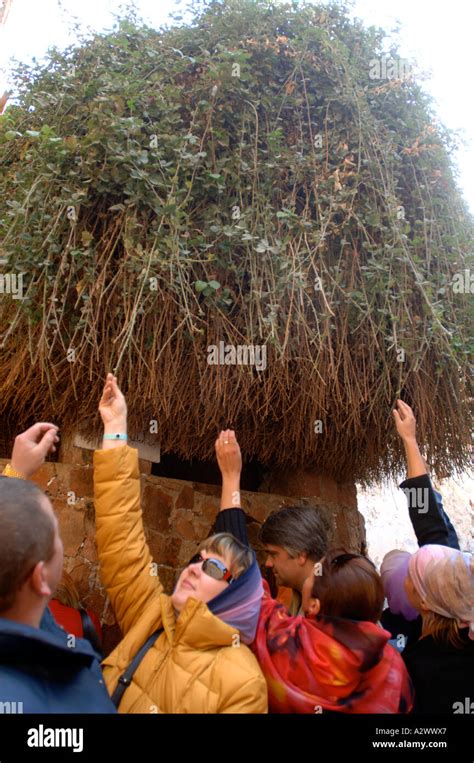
302	558
314	607
39	580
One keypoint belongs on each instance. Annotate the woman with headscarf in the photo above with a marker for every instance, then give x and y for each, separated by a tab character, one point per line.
440	584
184	653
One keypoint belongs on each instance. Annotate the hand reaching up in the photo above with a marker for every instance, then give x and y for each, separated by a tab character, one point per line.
229	459
112	406
405	421
406	427
228	454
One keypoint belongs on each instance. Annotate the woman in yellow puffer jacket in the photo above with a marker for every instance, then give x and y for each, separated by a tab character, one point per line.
200	661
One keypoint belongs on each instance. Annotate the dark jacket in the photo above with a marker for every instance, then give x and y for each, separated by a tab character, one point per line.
44	671
431	524
441	675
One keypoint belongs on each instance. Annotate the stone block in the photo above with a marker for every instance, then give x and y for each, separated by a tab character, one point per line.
185	499
157	506
207	509
89	549
49	479
71	527
186	526
81	482
259	510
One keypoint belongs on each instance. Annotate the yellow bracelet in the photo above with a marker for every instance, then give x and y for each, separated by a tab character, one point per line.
9	471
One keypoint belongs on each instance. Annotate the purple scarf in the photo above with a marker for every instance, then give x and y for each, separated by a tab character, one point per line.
239	605
393	571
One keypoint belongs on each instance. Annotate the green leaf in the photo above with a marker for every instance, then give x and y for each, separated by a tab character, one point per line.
200	286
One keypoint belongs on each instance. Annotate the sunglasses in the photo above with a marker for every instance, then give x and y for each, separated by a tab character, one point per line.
212	567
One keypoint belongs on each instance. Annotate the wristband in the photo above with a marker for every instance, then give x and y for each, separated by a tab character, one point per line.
117	436
9	471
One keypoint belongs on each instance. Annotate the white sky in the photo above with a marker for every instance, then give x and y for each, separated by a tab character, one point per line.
438	35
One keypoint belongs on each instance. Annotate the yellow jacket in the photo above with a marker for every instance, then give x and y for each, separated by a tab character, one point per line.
193	666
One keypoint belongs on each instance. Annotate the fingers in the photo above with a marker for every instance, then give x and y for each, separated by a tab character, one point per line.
404	407
111	389
226	443
37	431
48	441
226	437
109	392
398	412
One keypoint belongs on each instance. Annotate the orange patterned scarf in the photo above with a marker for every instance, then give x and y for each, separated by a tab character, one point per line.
318	664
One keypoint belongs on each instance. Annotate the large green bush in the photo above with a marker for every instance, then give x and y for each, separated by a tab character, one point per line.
243	176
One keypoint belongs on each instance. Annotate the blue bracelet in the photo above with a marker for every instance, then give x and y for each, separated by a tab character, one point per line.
117	436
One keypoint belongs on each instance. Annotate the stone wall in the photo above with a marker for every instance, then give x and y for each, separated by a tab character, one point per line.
178	515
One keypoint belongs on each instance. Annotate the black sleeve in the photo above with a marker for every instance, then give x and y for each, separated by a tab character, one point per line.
426	518
233	521
453	540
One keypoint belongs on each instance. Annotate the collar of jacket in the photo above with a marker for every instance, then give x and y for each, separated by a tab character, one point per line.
35	647
195	626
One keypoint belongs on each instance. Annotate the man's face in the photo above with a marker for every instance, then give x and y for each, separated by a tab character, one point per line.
287	570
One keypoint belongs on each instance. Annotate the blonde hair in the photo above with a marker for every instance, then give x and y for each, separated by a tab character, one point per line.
444	630
240	556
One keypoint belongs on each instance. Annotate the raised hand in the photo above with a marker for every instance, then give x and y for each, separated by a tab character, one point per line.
405	421
32	446
228	454
112	406
406	427
229	459
113	411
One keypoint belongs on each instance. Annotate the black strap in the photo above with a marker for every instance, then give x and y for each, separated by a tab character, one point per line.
126	678
89	632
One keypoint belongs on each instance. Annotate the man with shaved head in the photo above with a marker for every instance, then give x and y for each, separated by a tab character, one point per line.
42	668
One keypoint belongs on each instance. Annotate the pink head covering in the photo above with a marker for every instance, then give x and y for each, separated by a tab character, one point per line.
393	571
443	577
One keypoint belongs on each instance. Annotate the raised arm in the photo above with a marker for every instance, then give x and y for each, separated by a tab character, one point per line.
425	515
127	568
231	518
